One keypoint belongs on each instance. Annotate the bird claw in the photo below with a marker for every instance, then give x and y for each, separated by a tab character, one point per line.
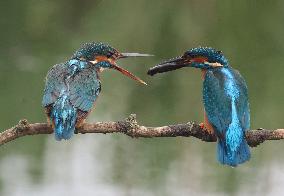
78	127
207	129
202	125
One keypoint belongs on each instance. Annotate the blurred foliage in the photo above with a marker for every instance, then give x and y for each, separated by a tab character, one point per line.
37	34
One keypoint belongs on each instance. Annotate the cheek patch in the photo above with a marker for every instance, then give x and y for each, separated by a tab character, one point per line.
101	58
104	58
214	64
199	59
101	69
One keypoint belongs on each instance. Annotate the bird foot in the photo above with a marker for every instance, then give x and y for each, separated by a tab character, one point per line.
79	126
207	128
202	126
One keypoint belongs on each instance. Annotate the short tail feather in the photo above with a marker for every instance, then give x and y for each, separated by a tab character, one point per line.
233	148
228	157
64	116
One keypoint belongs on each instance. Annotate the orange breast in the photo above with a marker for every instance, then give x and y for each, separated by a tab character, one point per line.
207	124
203	73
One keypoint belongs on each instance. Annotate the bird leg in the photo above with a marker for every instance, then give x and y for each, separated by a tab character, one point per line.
207	125
48	113
81	117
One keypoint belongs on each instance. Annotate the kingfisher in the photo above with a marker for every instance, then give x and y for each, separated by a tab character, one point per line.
225	99
72	87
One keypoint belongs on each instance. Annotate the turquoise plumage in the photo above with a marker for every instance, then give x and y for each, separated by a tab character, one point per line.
226	104
72	87
64	116
225	100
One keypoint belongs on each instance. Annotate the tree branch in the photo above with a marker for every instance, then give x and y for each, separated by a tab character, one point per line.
131	128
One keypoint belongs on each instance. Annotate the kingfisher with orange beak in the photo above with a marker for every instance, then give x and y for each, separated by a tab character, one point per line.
225	100
72	88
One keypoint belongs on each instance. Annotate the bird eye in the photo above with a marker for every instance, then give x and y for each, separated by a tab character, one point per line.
187	55
219	52
109	55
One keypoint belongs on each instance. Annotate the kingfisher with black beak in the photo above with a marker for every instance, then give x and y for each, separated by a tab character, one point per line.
225	100
72	88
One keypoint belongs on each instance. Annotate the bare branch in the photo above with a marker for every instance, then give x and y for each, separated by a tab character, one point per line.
131	128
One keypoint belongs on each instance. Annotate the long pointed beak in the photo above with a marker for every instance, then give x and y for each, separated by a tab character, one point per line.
169	65
128	54
127	73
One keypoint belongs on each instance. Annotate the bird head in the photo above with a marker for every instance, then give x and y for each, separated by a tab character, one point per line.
201	57
103	56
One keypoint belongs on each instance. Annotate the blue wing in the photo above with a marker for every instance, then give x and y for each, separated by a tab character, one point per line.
54	84
243	101
225	99
84	88
70	92
220	88
80	83
217	104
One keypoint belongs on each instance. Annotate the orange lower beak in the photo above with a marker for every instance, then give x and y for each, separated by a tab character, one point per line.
127	73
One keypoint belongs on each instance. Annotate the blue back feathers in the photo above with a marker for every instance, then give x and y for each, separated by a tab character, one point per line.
64	116
225	99
226	103
70	87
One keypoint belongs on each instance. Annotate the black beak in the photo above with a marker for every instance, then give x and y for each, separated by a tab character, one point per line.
169	65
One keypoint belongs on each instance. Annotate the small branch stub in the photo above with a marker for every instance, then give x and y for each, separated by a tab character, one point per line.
22	125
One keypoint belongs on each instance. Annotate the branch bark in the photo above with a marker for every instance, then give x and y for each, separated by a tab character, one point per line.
130	127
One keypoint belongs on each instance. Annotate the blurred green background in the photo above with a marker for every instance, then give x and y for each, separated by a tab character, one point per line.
36	34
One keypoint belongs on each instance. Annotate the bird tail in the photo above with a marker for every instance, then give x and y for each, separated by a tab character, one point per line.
63	116
233	148
227	156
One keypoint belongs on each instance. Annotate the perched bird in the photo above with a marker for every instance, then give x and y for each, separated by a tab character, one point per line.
72	88
225	99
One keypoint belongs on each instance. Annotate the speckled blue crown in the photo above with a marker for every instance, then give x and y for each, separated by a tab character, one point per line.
90	50
210	53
